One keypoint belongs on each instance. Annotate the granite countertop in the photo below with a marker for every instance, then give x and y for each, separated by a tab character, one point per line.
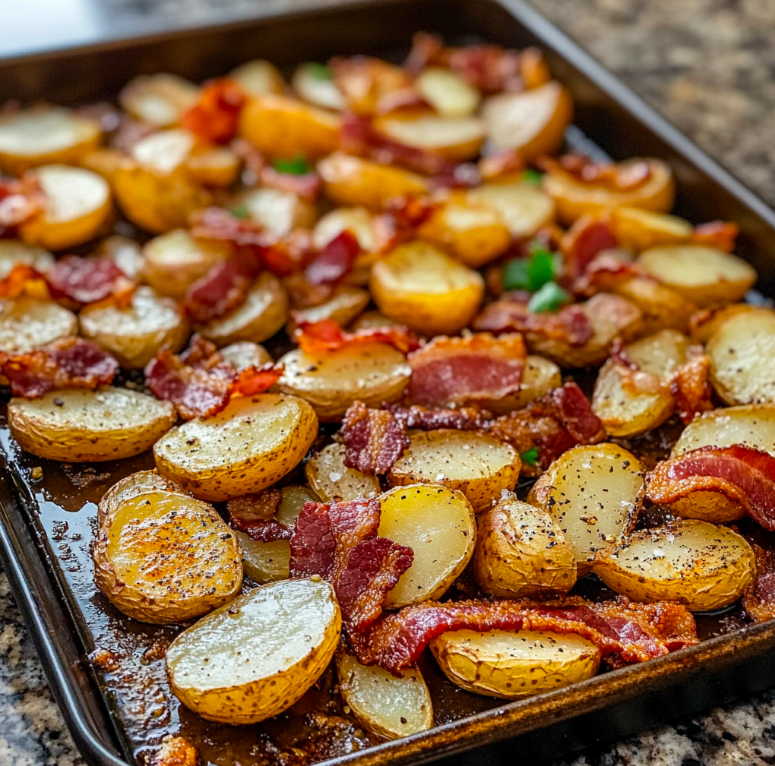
709	66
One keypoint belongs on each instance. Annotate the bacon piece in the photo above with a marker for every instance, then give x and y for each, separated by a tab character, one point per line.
626	631
606	274
66	363
335	261
249	508
307	185
222	289
461	419
328	335
24	280
256	380
759	598
312	543
373	439
502	163
617	176
85	280
742	474
691	386
583	242
720	234
215	116
20	200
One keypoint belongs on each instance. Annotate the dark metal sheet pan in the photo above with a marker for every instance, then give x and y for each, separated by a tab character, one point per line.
42	545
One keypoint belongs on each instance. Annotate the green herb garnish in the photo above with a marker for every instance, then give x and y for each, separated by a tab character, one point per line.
532	177
549	299
241	211
531	273
530	457
298	166
319	71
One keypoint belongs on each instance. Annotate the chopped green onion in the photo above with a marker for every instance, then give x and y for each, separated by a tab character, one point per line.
319	71
241	211
515	274
549	299
531	273
532	177
298	166
530	457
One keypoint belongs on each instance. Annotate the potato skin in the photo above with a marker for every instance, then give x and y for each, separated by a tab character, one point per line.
522	552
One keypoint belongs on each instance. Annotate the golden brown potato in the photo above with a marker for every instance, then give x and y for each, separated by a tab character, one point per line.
420	286
162	557
244	354
243	449
310	85
159	99
13	252
213	165
455	138
258	77
524	208
438	524
75	425
135	484
134	335
254	658
704	324
333	482
477	465
701	565
345	304
522	552
279	212
639	230
125	253
663	308
104	162
357	220
26	324
447	92
539	377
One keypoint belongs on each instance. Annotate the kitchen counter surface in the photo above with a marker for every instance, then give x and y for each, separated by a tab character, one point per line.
708	65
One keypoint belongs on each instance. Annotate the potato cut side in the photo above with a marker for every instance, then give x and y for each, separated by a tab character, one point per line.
293	498
438	524
640	230
13	252
343	307
703	275
523	208
592	492
245	448
42	136
254	658
447	92
419	286
135	484
78	203
214	166
455	138
163	557
159	99
135	334
389	707
700	565
279	212
331	381
742	356
265	562
515	665
244	354
478	465
263	314
357	220
522	552
258	77
126	253
539	377
75	425
26	324
333	481
631	404
313	83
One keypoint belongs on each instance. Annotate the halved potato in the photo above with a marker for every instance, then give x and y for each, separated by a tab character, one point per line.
522	552
704	324
76	426
134	335
539	377
258	77
244	354
243	449
293	498
331	381
627	411
524	208
663	308
354	181
279	126
279	212
159	99
593	493
163	557
254	658
345	304
639	230
438	524
333	481
514	665
704	275
265	562
357	220
742	356
135	484
455	138
701	565
309	85
214	165
175	260
78	203
419	286
13	252
104	162
263	314
126	253
388	706
447	92
26	323
477	465
43	136
533	122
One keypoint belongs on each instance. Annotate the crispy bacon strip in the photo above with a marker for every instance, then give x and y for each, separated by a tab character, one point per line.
312	544
66	363
373	439
759	599
584	240
24	280
222	289
214	117
328	335
631	632
86	280
618	176
426	419
691	386
335	261
742	474
720	234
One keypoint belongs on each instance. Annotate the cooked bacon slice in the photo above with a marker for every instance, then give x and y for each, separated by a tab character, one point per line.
605	274
742	474
720	234
215	116
759	599
24	280
691	386
85	280
631	632
427	419
256	380
267	531
328	335
222	289
373	439
584	240
618	176
313	546
372	86
307	185
455	371
66	363
335	261
20	199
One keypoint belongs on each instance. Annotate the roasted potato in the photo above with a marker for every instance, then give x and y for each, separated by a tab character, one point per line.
447	92
26	323
704	324
44	136
332	380
357	220
700	565
663	308
293	498
158	99
345	304
333	481
522	552
125	253
631	403
135	484
514	665
477	465
243	449
13	252
539	377
593	493
276	211
215	166
263	314
389	707
314	84
78	203
419	286
254	658
134	335
244	354
163	557
639	230
703	275
75	425
438	524
258	77
454	138
265	562
523	207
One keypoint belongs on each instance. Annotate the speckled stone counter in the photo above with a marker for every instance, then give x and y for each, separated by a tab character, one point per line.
709	66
